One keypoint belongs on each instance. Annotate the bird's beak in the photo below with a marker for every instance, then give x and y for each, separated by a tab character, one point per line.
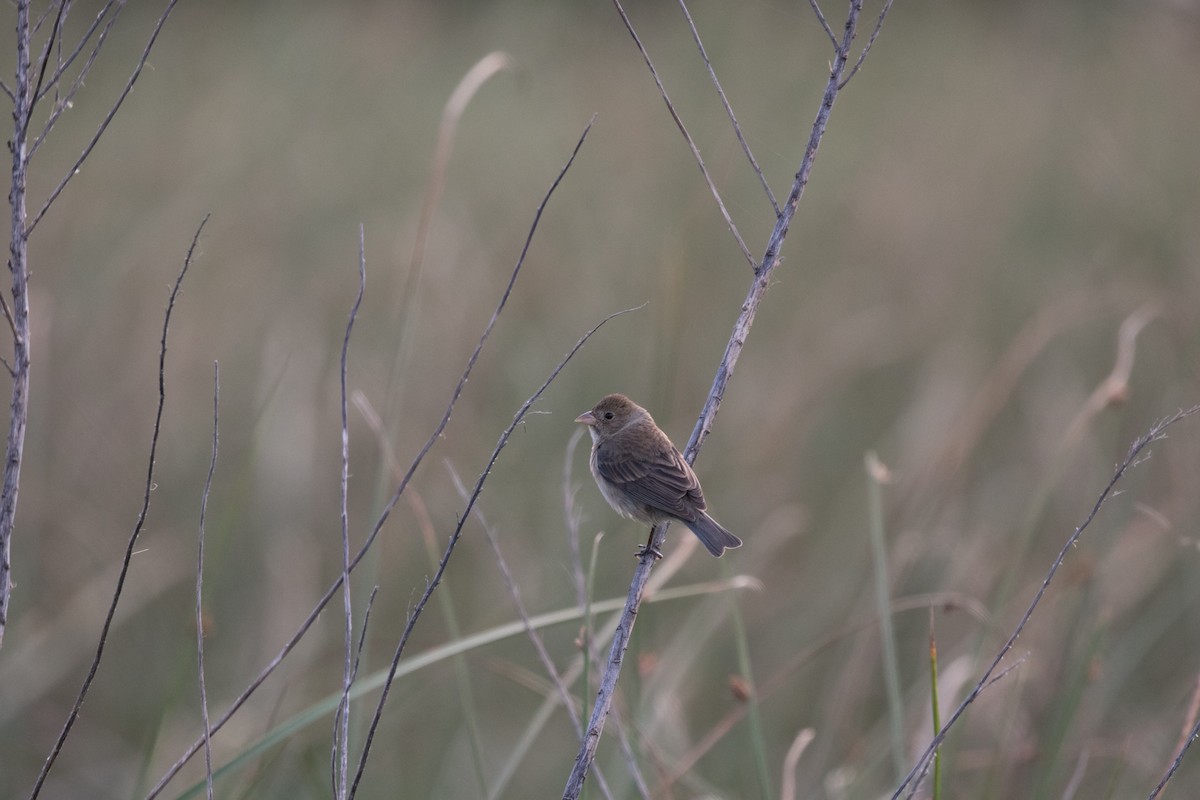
586	418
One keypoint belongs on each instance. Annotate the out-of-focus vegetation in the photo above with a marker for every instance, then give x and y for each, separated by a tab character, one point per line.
1000	186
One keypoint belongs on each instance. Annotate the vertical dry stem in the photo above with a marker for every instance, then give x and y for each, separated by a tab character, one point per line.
18	315
737	340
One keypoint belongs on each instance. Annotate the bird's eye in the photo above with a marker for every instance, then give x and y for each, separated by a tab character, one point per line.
608	415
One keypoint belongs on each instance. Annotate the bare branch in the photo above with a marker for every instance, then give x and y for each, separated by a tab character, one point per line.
61	104
737	129
55	32
712	187
18	267
454	537
887	6
108	118
1186	740
8	317
912	780
212	468
341	732
824	24
393	500
37	26
137	528
539	647
66	63
737	340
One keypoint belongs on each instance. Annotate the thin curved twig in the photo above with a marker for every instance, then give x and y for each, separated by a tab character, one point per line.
456	535
382	519
44	60
1156	432
824	23
66	63
1162	784
535	638
737	129
341	731
63	102
137	528
108	118
212	468
887	6
737	340
712	187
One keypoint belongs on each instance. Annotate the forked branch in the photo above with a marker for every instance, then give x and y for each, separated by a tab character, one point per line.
737	340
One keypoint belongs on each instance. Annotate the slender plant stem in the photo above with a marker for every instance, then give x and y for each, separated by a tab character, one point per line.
456	535
341	734
737	340
382	519
18	316
137	528
912	781
108	118
212	468
877	476
737	129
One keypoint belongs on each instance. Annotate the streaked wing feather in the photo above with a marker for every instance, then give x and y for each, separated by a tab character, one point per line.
663	481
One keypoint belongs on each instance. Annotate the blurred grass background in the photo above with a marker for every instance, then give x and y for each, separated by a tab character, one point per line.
1002	184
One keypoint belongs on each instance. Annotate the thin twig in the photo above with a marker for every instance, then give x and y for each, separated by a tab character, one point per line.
58	47
573	519
108	118
37	26
712	187
381	520
362	640
137	528
63	103
454	537
1156	432
66	63
589	657
212	467
55	31
535	638
341	732
737	129
824	23
737	340
887	6
1185	741
776	682
18	267
12	326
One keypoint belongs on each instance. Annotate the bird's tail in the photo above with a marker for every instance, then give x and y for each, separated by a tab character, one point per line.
714	537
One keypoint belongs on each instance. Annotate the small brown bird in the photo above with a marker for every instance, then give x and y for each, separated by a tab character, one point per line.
643	476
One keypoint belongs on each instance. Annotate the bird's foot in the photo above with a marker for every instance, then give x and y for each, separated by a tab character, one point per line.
648	549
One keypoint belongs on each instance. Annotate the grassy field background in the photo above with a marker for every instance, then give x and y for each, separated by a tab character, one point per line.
1000	187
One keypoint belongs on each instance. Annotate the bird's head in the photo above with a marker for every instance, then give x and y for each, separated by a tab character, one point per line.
610	415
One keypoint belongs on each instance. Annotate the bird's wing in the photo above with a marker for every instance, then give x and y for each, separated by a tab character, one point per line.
660	479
